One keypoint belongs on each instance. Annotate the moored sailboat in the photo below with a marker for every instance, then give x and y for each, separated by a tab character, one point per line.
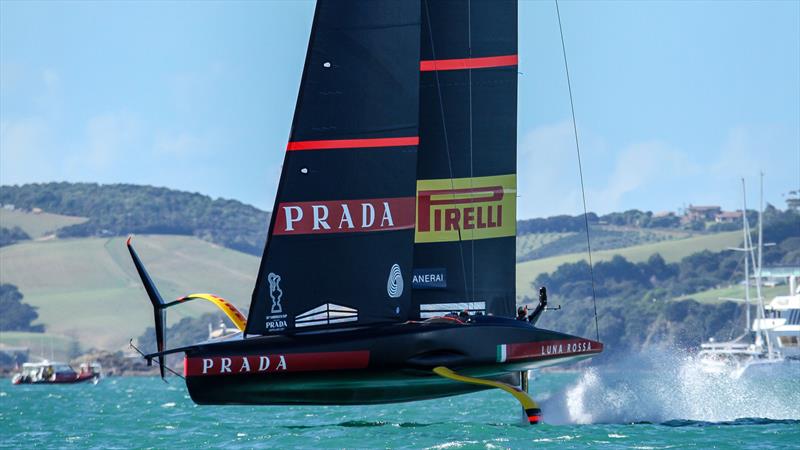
389	270
767	342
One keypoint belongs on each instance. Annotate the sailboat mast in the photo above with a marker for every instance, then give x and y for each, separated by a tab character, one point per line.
760	261
745	232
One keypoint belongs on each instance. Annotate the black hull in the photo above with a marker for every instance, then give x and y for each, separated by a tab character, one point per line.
386	364
345	388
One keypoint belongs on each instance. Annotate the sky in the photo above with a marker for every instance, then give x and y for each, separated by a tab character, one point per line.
675	101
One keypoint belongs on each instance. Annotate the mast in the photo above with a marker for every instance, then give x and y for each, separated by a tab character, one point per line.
745	231
760	261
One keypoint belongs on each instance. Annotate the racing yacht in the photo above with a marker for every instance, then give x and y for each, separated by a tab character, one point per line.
389	270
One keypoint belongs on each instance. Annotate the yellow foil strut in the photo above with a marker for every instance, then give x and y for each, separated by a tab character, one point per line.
227	307
532	411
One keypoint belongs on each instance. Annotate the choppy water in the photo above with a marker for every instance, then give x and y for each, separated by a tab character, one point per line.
653	402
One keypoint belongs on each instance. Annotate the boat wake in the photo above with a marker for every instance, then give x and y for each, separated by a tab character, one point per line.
669	387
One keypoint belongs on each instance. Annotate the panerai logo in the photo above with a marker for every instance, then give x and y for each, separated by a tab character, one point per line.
466	208
394	286
345	216
429	278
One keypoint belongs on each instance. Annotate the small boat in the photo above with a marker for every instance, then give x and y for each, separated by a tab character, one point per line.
735	358
389	269
223	330
781	321
50	372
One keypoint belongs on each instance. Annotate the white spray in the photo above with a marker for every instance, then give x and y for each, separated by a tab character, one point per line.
669	385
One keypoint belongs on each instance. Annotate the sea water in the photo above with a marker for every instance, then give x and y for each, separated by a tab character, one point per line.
644	402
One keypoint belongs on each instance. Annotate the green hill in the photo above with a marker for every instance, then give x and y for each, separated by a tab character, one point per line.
528	244
604	237
88	288
719	295
670	250
37	225
121	209
85	287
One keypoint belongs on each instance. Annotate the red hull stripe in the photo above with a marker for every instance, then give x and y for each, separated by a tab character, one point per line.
545	349
274	363
352	143
468	63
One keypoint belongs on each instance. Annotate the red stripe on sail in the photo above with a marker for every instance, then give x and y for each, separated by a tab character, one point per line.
344	216
352	143
275	363
468	63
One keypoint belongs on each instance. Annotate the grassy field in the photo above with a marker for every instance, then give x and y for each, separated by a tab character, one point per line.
41	345
714	295
604	237
36	225
527	243
671	251
88	288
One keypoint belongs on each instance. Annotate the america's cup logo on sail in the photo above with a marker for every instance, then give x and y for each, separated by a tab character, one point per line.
276	319
394	286
275	292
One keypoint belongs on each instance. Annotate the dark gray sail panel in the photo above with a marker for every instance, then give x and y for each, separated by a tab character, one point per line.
340	244
466	169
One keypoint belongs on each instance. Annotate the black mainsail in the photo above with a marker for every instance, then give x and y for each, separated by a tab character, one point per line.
340	244
363	214
464	256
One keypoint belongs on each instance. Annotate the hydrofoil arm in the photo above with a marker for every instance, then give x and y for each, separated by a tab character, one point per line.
532	410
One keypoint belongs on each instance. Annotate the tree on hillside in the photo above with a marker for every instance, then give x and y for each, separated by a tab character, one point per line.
791	249
14	314
635	301
10	236
123	209
187	331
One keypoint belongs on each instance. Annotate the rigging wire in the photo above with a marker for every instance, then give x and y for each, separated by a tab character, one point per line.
446	144
157	362
471	172
580	171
